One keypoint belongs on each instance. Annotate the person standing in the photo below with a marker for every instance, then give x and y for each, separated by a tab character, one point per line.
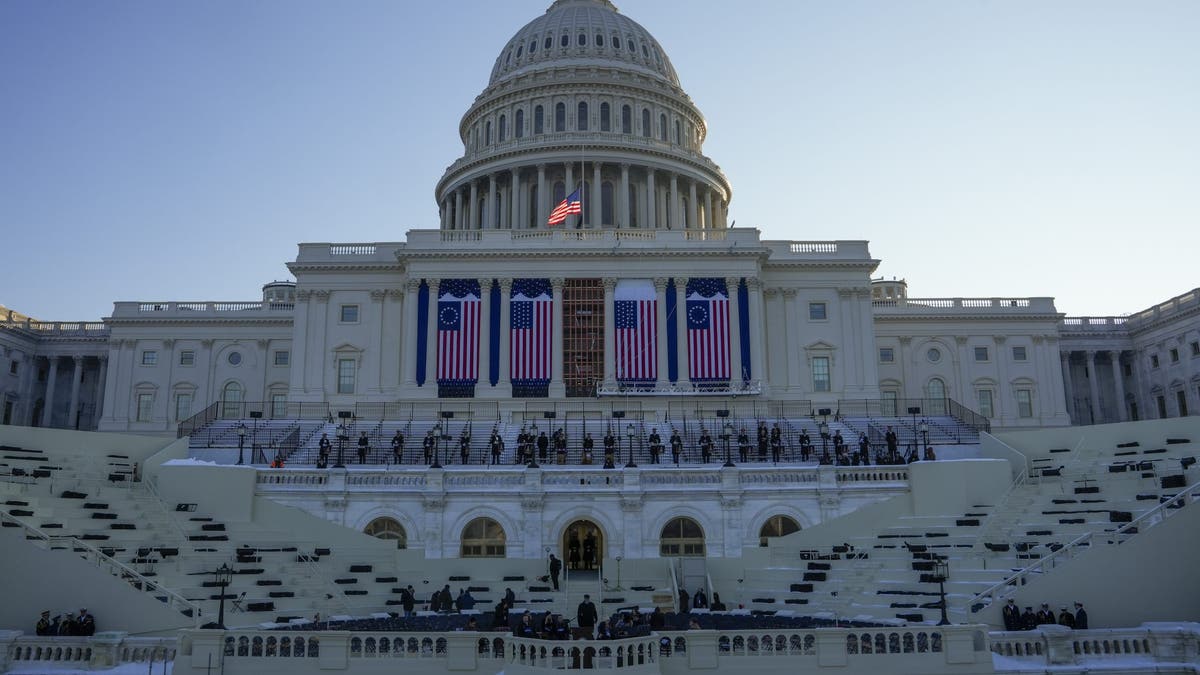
700	600
497	444
1081	617
743	446
1066	618
1029	620
1045	615
408	599
86	624
429	446
864	453
763	441
464	446
1012	615
610	450
43	624
588	446
655	442
398	447
776	443
706	446
586	615
805	445
543	445
676	446
893	444
555	569
589	551
364	446
684	599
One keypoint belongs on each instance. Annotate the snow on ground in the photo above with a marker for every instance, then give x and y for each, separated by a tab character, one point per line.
123	669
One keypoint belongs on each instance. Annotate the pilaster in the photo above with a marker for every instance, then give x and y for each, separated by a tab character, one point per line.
557	388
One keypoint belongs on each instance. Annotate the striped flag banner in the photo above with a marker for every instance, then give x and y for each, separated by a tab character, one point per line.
636	321
532	317
458	332
708	330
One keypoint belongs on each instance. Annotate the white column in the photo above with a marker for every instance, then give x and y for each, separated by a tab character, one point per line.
674	216
514	221
473	207
1068	386
101	387
1003	378
543	214
27	368
735	335
490	211
610	332
758	332
73	412
485	336
557	389
1094	386
1119	384
392	350
660	294
445	208
505	334
458	209
693	208
708	214
681	355
568	184
597	210
791	338
374	385
48	406
431	337
622	214
408	359
651	201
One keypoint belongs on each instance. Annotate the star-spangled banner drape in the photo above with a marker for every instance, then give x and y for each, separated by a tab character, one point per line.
635	308
532	315
458	331
708	330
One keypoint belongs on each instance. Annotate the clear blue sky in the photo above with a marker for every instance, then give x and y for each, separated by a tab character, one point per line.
179	150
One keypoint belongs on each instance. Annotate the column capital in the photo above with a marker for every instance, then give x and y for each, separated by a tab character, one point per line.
1091	355
395	293
541	166
610	283
262	343
1000	339
103	358
754	283
378	294
433	284
1064	356
960	340
625	166
303	295
321	296
733	282
79	358
506	284
168	343
681	282
557	282
771	292
789	293
660	284
485	284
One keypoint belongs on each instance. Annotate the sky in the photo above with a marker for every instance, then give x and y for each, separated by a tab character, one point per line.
180	150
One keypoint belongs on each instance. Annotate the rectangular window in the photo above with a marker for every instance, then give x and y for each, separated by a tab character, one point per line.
349	313
985	403
1154	360
1024	403
345	374
886	355
145	407
888	403
820	373
1019	354
283	358
1174	355
12	367
816	311
278	405
183	407
981	353
187	357
149	358
1196	349
1162	406
1181	401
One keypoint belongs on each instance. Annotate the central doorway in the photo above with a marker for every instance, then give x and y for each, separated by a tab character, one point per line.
582	546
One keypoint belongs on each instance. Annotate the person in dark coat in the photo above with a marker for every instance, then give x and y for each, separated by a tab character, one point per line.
1046	615
586	615
706	446
364	446
1029	620
743	441
510	597
684	599
555	568
86	624
893	443
324	446
398	447
1012	615
655	442
700	600
44	624
429	446
1066	618
1081	617
543	445
676	446
776	443
464	447
408	600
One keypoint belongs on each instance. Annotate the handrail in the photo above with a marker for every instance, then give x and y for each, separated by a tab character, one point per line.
175	600
158	500
986	526
976	603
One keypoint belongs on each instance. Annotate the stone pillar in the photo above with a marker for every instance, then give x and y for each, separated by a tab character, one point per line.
101	386
505	333
557	389
473	207
458	209
621	216
490	211
392	352
431	336
514	221
597	209
408	363
708	214
48	406
1119	385
1068	386
651	201
73	411
758	332
445	212
485	337
735	335
791	337
542	213
610	331
660	331
681	341
569	181
375	349
1094	386
693	222
674	217
1006	392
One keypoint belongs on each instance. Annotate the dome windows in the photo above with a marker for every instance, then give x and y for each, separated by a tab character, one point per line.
519	124
508	58
581	122
520	51
549	42
662	128
646	122
626	120
599	40
616	42
560	117
533	46
678	132
605	119
487	134
503	128
630	46
539	121
581	40
564	41
645	52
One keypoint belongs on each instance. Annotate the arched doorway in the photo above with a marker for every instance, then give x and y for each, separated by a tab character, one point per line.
582	546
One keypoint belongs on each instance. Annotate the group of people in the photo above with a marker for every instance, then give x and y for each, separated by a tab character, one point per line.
443	601
69	624
1015	619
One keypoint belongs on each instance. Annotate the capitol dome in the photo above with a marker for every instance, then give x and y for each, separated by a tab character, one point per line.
583	98
583	33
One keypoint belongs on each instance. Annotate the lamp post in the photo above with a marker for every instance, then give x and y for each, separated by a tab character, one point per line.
241	432
941	571
437	433
533	429
341	436
630	432
924	429
223	576
914	411
726	432
824	430
618	586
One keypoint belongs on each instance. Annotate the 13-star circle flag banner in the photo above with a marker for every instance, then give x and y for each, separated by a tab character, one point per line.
458	331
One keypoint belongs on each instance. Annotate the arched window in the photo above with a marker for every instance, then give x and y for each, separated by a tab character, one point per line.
539	121
483	538
560	117
935	392
662	128
581	40
581	119
616	42
520	51
519	124
565	40
503	128
646	122
487	134
626	120
682	537
549	42
533	46
387	528
777	526
605	117
231	401
678	132
606	203
599	40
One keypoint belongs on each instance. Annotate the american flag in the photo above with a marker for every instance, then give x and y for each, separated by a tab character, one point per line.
635	308
572	205
458	331
532	322
708	329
